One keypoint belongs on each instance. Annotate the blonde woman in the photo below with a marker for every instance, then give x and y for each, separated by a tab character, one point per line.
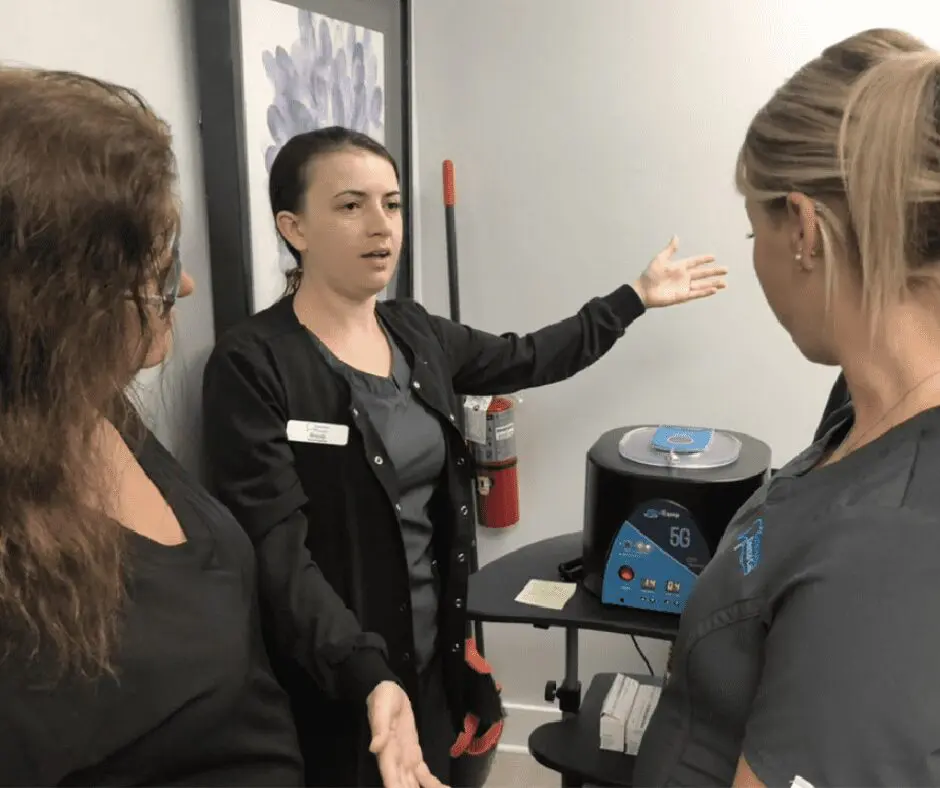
810	646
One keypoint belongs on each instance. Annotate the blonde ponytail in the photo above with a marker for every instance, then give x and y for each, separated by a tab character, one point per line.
856	129
890	161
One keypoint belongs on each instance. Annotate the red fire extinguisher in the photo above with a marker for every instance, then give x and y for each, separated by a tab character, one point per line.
497	471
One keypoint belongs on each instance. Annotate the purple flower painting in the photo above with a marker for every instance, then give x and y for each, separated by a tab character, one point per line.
330	77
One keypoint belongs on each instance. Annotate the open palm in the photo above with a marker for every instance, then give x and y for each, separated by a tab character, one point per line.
667	282
395	740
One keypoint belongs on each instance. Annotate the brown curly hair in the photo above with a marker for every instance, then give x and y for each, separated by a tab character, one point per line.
87	216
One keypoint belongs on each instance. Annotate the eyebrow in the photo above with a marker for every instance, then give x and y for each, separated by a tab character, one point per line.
355	193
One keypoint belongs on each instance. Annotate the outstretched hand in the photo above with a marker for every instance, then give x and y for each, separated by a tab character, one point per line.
667	282
395	739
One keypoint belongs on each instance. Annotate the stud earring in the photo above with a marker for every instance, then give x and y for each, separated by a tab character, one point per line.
798	257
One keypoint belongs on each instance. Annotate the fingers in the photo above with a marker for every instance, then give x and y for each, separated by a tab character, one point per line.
712	272
708	284
670	249
692	263
703	293
399	756
412	757
408	741
398	769
393	772
426	779
390	769
398	774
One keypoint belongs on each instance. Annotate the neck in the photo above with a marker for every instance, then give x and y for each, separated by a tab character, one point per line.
108	457
896	375
330	314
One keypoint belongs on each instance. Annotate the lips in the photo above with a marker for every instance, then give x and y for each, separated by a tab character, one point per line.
378	254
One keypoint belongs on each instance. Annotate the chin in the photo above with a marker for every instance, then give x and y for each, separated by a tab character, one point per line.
818	355
376	284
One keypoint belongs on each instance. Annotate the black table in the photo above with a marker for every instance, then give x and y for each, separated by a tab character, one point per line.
570	746
493	591
491	597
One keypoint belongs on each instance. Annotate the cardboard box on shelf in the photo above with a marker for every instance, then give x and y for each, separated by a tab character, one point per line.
615	712
641	711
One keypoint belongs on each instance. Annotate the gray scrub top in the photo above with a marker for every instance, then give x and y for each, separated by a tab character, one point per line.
415	444
811	642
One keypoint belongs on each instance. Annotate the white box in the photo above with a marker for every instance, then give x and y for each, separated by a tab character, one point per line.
642	710
609	723
615	711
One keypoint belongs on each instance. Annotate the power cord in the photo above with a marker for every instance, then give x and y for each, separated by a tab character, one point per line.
639	651
572	572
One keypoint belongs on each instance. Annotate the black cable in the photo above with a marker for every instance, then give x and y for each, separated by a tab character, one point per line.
642	655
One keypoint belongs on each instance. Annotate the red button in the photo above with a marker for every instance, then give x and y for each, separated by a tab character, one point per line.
626	573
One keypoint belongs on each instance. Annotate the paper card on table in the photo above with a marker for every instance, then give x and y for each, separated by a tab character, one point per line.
546	593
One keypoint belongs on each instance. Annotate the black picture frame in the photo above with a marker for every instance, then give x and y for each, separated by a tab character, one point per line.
217	29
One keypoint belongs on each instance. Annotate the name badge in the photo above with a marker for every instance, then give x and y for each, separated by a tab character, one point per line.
317	432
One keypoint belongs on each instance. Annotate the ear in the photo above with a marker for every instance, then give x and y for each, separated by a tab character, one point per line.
289	226
802	218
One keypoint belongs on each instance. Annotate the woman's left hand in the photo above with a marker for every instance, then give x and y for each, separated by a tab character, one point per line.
667	282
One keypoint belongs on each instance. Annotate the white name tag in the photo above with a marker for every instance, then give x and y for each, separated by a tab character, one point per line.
317	432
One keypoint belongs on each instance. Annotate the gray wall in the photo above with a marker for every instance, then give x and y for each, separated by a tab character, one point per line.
147	45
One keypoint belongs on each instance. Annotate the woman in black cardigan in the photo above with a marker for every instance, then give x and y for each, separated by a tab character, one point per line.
331	434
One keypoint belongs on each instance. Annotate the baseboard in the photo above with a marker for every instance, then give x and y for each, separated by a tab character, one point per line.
521	720
512	749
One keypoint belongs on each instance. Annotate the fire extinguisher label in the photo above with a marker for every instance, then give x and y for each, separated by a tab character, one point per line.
475	418
506	432
500	443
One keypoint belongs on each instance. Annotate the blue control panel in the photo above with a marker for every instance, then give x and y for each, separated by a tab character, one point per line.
682	440
655	559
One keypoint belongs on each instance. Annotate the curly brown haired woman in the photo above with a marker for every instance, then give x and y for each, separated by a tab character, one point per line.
132	653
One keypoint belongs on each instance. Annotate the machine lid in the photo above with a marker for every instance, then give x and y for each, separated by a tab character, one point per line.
693	448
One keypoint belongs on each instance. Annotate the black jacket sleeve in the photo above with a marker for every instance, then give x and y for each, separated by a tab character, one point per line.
483	363
251	468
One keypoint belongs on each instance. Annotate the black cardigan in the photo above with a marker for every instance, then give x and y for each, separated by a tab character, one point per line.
332	572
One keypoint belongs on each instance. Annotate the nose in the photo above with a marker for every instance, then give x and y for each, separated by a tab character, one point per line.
187	285
380	222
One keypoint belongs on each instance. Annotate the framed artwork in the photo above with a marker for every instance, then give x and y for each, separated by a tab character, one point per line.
270	69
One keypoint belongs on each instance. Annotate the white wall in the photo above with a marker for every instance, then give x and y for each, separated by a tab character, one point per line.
584	133
147	45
